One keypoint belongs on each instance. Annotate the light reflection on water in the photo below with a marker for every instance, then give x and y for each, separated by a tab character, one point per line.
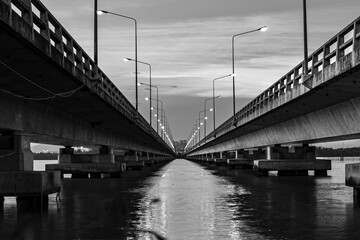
184	200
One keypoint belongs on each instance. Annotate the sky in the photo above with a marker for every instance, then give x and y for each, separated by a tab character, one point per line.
188	44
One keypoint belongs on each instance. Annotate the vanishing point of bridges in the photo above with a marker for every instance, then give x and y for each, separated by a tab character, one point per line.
52	92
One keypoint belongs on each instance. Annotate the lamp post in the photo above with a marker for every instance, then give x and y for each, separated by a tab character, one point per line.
157	102
149	65
100	11
208	99
205	118
305	67
263	28
95	32
214	108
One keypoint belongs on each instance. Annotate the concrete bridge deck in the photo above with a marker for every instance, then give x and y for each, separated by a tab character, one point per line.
51	90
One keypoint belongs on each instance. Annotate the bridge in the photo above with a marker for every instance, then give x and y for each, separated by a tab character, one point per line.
274	130
52	92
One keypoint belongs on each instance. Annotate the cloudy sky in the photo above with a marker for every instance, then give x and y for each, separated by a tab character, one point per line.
188	43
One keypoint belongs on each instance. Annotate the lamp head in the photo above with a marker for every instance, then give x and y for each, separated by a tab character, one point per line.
233	75
263	28
100	12
206	118
147	99
127	59
211	109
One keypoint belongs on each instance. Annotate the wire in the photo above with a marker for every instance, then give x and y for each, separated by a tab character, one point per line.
25	78
63	95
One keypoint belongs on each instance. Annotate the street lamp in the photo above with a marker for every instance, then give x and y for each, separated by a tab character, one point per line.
95	32
205	118
149	65
100	12
157	98
208	99
157	101
305	65
262	29
214	107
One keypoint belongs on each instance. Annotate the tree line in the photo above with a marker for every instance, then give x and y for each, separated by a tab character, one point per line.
337	152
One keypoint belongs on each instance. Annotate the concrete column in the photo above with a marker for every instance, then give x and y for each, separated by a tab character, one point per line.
65	154
106	154
356	197
15	153
131	156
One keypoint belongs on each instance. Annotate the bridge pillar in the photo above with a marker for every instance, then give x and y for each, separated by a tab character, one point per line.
352	179
133	160
221	160
65	154
15	153
292	160
17	177
106	154
244	158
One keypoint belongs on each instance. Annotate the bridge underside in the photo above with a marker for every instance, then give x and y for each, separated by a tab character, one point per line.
329	112
81	117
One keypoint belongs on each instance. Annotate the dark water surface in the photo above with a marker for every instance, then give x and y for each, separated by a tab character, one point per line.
184	200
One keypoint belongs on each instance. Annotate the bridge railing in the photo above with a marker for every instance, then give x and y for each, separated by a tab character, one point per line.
33	21
337	55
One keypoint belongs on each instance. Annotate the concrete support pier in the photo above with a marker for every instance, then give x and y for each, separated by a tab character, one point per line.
245	158
220	159
132	161
17	177
291	161
87	165
352	179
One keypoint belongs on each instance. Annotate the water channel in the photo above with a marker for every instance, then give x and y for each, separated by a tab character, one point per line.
185	200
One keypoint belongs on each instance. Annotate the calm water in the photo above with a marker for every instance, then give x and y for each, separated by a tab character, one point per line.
184	200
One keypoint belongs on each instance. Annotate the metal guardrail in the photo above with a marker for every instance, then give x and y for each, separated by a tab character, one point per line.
32	20
322	64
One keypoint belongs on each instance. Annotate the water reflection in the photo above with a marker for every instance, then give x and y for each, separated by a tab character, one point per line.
184	200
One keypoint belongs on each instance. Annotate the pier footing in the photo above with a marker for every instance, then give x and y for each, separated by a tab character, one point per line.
352	179
83	170
240	162
292	167
30	188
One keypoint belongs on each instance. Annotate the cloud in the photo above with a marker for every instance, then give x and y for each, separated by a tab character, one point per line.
188	43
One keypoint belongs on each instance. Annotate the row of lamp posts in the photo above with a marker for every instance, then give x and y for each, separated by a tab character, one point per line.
264	28
305	72
165	130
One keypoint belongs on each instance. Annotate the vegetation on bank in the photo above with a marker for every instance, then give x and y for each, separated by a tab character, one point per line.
337	152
